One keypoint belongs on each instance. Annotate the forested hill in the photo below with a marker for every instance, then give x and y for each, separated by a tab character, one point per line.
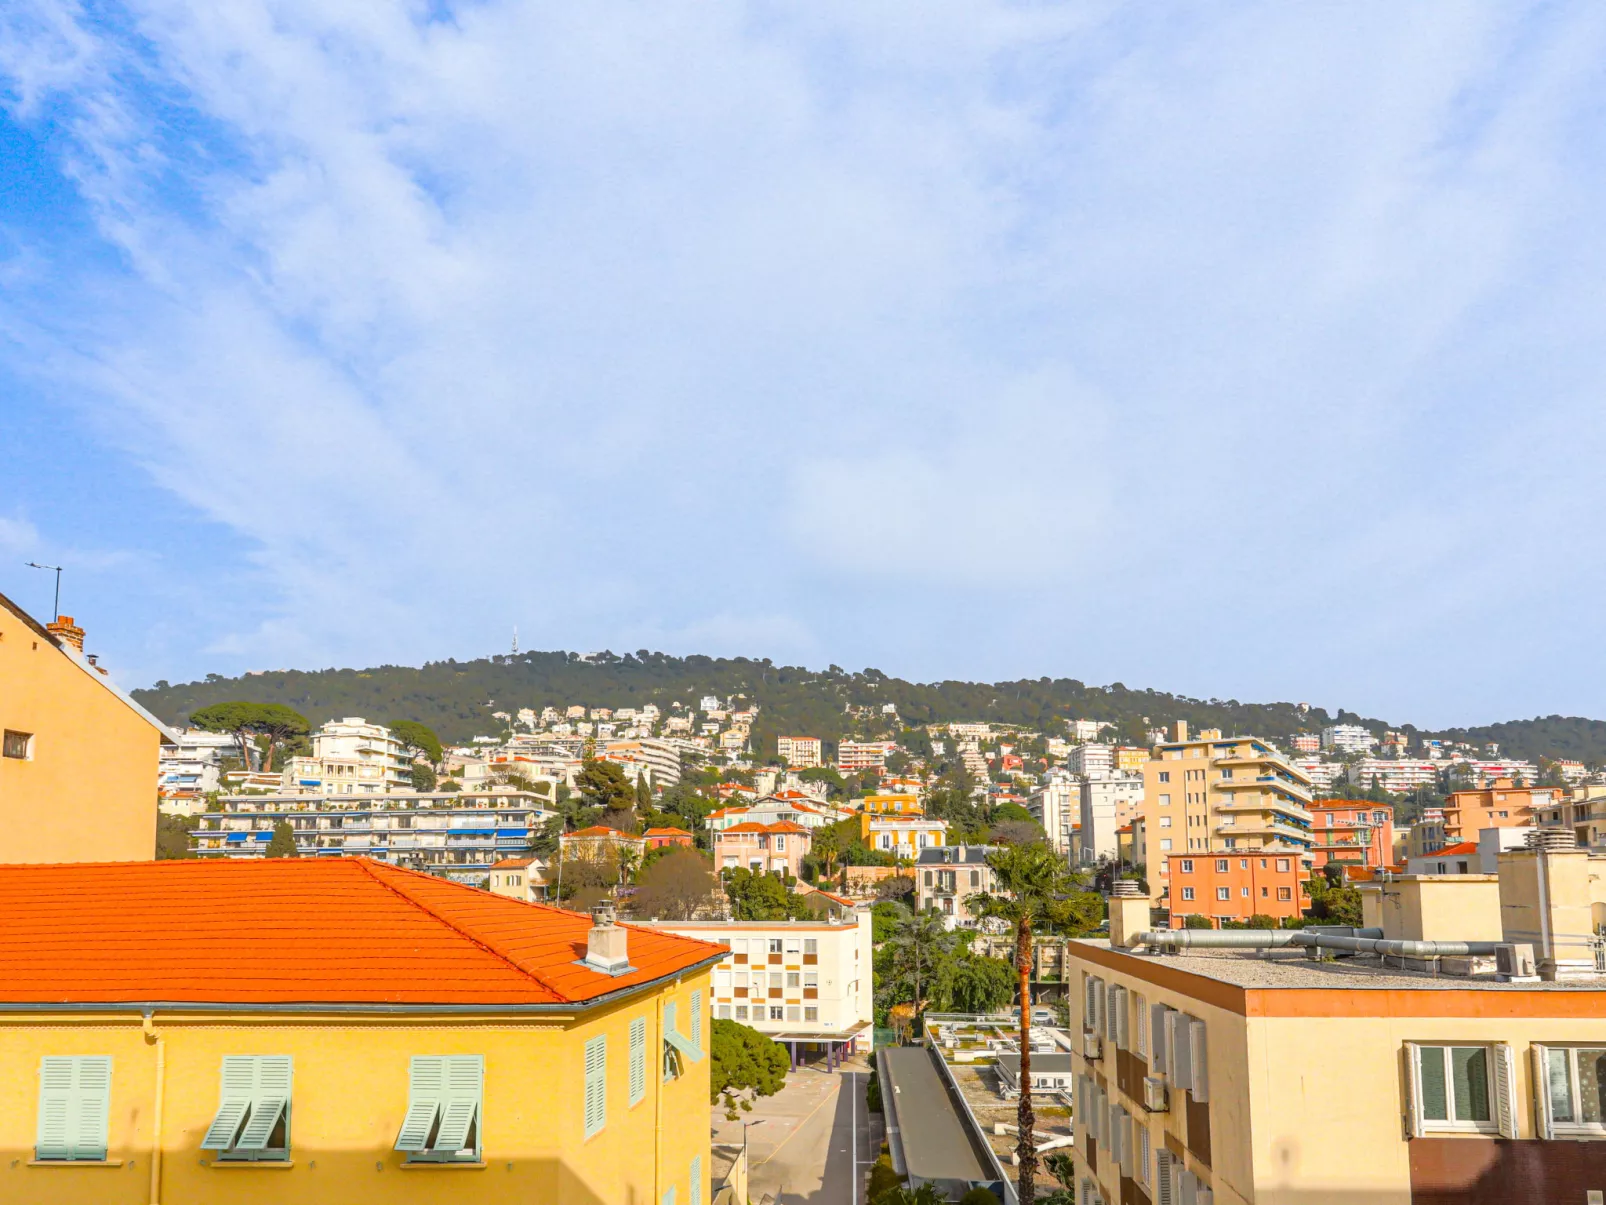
456	698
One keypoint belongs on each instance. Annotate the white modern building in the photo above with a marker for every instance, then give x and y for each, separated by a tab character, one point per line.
800	752
1398	775
188	769
1056	805
806	984
1107	801
863	755
351	757
1348	738
1322	773
1091	759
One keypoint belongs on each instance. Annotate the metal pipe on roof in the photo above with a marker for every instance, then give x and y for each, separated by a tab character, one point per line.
1267	939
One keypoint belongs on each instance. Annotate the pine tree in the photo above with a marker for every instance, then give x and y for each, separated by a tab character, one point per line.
283	844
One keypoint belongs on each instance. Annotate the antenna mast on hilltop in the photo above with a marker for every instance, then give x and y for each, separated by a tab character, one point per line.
515	640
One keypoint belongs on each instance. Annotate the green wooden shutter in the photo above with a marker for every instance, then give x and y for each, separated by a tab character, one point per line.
596	1084
426	1086
270	1097
696	1197
74	1104
638	1059
697	1018
465	1078
236	1089
669	1195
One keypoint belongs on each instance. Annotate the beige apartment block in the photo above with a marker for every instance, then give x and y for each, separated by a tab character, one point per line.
1459	1074
1213	794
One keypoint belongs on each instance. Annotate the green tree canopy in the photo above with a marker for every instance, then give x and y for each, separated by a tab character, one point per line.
742	1060
420	739
172	837
283	842
274	722
602	784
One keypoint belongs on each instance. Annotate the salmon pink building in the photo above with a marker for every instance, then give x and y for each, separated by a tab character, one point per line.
1234	887
762	848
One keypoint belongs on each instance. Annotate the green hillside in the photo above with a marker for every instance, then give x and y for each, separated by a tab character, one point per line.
457	699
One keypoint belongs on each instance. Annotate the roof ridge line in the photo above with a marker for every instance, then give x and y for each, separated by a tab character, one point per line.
513	962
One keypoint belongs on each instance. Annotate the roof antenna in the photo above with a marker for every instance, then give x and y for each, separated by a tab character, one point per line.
515	640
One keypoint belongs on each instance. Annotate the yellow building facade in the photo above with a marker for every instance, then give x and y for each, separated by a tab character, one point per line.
70	736
587	1100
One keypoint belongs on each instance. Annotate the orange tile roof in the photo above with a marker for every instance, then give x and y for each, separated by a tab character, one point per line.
599	830
666	832
311	931
753	826
1463	847
512	863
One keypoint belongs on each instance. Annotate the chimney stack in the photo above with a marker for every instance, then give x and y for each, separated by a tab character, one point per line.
67	632
606	943
1182	730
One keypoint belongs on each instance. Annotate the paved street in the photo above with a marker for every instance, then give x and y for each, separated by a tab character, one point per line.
814	1134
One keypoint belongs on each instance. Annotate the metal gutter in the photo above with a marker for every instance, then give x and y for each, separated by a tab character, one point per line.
346	1007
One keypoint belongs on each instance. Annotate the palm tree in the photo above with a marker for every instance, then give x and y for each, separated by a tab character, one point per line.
1035	890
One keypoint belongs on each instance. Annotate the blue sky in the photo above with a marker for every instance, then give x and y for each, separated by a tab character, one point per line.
1244	350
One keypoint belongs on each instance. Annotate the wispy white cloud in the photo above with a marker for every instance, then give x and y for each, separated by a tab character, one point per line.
938	343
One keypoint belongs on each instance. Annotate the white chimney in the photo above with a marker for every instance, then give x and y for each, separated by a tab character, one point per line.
605	944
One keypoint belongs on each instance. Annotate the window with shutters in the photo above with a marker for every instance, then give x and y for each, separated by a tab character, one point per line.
596	1084
1454	1088
252	1121
696	1019
697	1196
1573	1087
1140	1025
677	1046
442	1124
638	1060
74	1103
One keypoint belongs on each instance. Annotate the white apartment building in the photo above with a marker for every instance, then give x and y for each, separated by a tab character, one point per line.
1107	801
800	752
1398	775
661	758
1088	730
1348	738
806	984
1485	772
1056	804
188	769
1322	774
970	731
1091	759
359	758
863	755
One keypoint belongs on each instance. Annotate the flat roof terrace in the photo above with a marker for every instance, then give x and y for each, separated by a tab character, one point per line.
936	1143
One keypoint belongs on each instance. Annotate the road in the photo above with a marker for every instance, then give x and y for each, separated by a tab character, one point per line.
822	1160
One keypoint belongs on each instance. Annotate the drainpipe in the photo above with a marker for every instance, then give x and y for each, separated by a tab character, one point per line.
655	1068
156	1120
1367	941
1547	956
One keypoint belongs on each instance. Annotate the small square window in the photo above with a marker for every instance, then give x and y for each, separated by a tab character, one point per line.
18	745
776	1013
1223	893
811	1014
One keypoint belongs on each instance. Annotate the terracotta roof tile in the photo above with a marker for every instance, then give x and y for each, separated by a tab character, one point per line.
297	930
666	832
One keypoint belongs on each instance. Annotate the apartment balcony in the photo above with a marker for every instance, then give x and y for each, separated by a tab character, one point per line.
1266	782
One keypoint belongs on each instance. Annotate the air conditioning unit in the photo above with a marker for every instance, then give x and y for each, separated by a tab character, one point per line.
1156	1099
1092	1047
1515	960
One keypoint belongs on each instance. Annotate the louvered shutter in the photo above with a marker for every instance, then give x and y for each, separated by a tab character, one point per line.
638	1059
1128	1154
1188	1184
696	1025
1140	1017
1200	1061
1118	1016
669	1195
93	1090
1165	1191
426	1089
270	1097
1544	1123
596	1089
1160	1059
236	1087
1088	1014
1145	1162
465	1080
1413	1090
74	1103
1177	1035
1505	1088
1081	1115
697	1196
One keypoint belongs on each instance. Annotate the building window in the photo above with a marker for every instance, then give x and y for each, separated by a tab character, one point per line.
253	1115
741	1012
776	1013
811	1014
18	745
1221	865
1187	893
1165	775
443	1104
1165	844
1282	865
794	980
1575	1085
811	945
1454	1088
1223	893
74	1103
1187	865
792	1012
722	1011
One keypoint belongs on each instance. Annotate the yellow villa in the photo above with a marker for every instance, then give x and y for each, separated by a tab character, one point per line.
69	733
341	1030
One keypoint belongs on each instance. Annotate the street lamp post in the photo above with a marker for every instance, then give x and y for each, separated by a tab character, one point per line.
55	610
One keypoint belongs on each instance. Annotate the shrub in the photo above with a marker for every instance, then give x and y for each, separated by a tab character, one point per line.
1195	921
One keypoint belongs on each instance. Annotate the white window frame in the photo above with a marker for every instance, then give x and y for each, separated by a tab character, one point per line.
1500	1069
1548	1127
